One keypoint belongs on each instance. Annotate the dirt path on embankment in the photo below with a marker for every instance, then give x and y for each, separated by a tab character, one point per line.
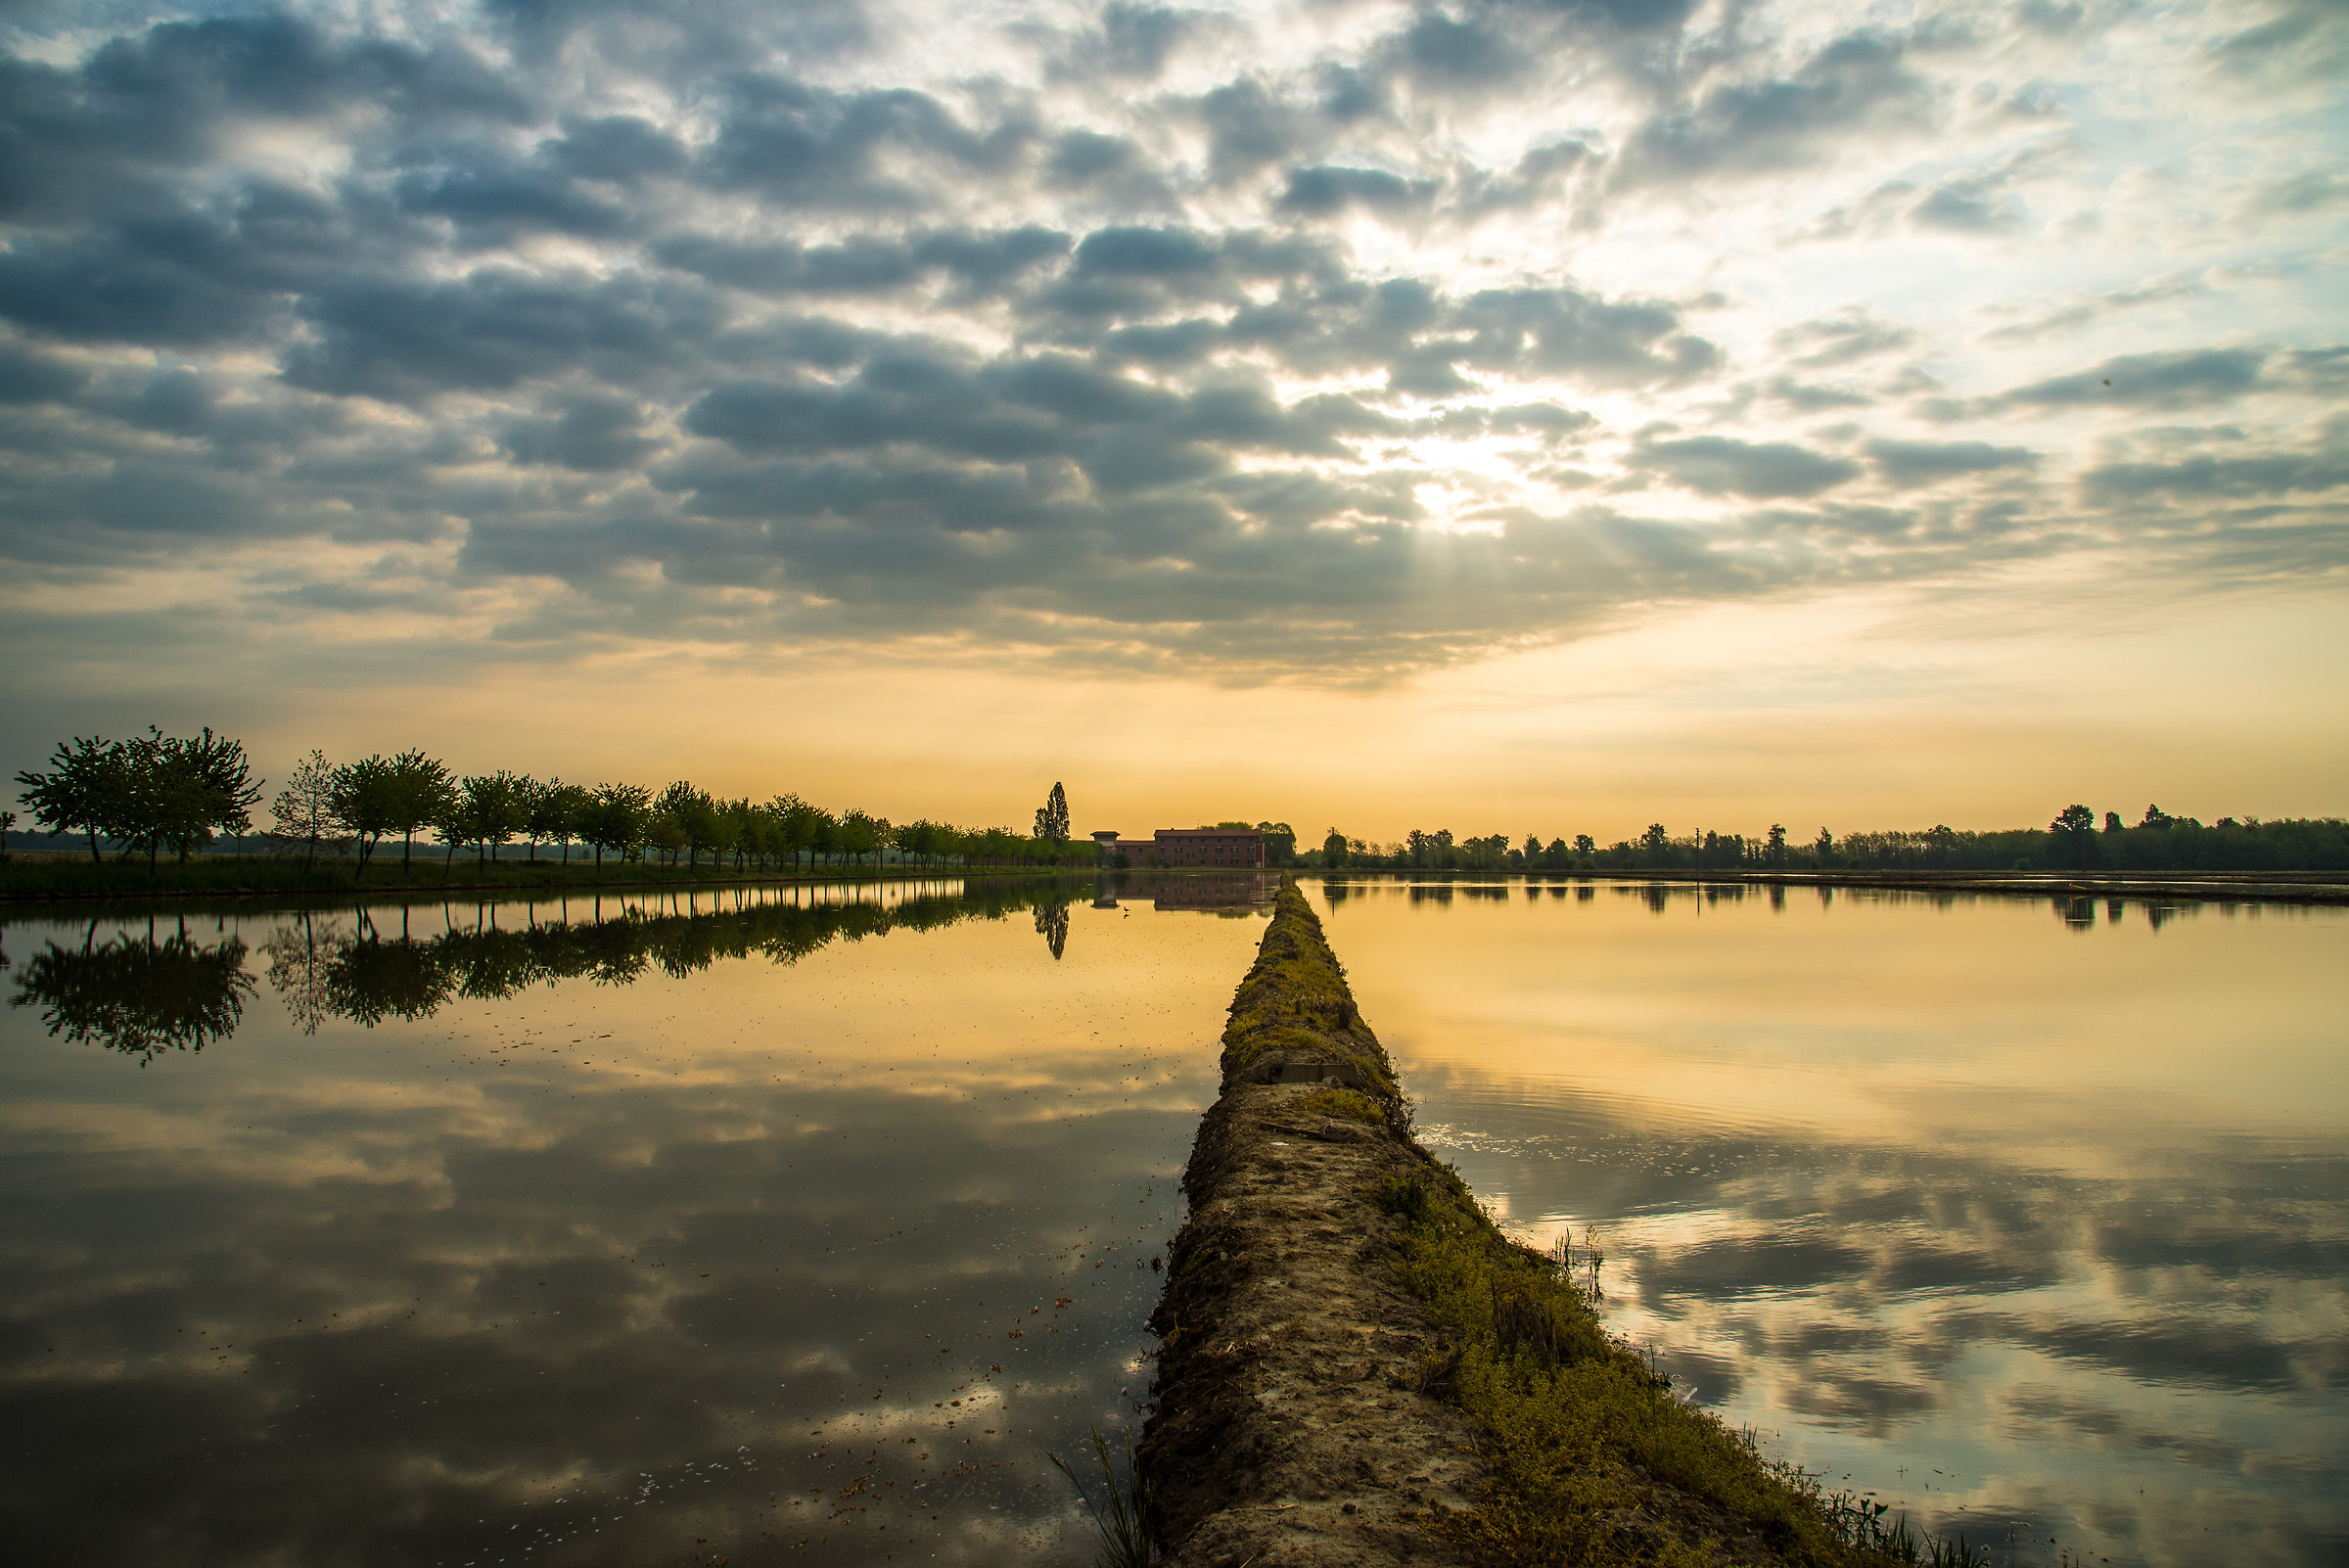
1290	1425
1288	1428
1357	1367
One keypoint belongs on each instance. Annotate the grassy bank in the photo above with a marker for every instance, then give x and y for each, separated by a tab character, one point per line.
26	878
1585	1453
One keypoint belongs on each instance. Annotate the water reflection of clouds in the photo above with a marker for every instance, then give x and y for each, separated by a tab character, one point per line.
1888	1312
1921	1188
399	1293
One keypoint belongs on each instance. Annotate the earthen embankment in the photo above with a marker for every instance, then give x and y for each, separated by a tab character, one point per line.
1355	1367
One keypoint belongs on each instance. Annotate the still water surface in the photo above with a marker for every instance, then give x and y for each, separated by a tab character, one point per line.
669	1229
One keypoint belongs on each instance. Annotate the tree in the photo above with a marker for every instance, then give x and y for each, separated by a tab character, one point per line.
546	807
616	819
1778	845
420	792
1052	817
1653	843
85	790
2074	828
490	811
1333	848
303	812
363	796
861	834
1585	845
1280	841
181	791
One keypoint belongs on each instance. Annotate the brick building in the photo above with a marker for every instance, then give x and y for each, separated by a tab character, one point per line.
1209	846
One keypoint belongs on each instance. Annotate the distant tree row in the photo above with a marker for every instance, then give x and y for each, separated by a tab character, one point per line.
157	790
2073	841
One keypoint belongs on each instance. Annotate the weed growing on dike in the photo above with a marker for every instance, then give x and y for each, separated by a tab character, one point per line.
1577	1425
1123	1515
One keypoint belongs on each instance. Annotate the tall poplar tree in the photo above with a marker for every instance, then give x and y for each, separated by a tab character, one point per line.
1052	817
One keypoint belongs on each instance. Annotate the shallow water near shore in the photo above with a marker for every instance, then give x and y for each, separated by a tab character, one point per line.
2031	1218
670	1228
748	1226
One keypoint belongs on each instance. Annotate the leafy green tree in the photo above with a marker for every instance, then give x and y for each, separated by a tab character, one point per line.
616	819
556	810
542	806
364	797
1333	848
303	812
1052	817
667	835
1653	844
182	791
1585	845
862	834
86	790
487	812
2075	829
451	823
420	792
1280	843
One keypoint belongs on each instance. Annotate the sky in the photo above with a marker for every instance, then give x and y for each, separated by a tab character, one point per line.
1503	416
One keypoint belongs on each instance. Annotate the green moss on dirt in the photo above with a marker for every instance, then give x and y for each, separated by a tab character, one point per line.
1347	1105
1295	999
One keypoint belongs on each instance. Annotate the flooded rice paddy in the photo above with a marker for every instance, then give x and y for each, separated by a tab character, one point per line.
799	1224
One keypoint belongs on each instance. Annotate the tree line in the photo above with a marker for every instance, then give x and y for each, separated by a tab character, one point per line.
2074	841
158	792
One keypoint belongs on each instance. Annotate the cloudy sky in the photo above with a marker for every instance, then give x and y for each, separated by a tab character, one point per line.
1514	416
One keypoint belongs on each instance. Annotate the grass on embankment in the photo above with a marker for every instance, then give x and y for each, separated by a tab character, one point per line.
1589	1457
1585	1446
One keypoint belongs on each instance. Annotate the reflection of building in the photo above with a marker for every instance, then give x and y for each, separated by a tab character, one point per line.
1231	890
1211	847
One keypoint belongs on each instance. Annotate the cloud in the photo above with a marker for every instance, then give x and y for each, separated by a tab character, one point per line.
1862	81
1323	190
2171	379
2081	311
1842	337
1159	336
1907	465
1716	464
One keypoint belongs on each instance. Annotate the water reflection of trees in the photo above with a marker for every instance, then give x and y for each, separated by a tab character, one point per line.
141	995
138	994
1052	924
365	976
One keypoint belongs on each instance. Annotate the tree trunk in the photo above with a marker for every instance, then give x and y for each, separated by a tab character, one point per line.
95	859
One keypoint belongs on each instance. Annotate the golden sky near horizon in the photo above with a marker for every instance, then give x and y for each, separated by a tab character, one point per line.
1497	416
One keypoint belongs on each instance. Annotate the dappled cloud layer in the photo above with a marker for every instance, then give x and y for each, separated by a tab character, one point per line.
1322	341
